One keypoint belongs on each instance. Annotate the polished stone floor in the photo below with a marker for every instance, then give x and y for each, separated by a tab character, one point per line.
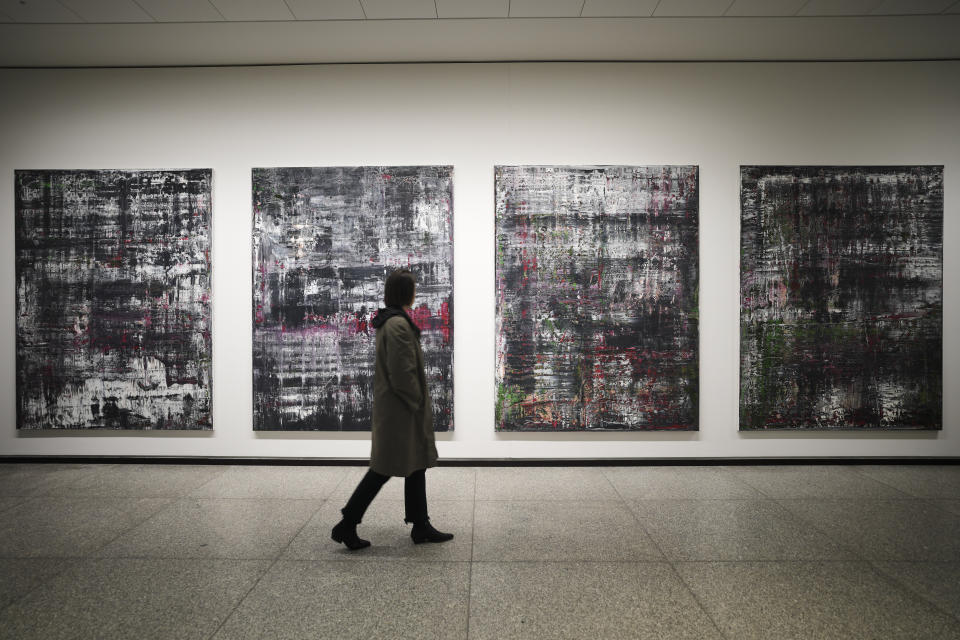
157	551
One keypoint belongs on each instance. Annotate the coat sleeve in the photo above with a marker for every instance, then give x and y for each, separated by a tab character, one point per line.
402	371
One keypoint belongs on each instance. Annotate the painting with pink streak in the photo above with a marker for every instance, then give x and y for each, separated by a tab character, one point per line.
597	321
324	240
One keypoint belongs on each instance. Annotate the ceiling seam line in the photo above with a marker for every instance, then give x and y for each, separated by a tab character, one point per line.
149	15
82	19
287	5
486	61
217	9
363	9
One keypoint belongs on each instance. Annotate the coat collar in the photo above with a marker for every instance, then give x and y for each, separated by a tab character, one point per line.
385	314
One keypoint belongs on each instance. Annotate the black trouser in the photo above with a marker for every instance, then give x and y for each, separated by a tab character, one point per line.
414	496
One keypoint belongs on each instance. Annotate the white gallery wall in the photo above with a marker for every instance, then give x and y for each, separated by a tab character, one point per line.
475	116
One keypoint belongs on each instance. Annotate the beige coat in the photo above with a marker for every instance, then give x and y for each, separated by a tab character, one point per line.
403	440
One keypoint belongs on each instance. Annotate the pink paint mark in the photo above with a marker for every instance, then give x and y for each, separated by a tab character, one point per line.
421	316
445	322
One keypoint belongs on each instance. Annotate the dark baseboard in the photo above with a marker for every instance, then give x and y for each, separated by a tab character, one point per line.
506	462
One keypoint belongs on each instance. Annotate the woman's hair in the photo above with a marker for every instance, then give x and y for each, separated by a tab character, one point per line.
399	288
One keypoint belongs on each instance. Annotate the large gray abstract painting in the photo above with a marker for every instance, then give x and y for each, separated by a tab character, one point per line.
841	297
113	299
596	317
325	239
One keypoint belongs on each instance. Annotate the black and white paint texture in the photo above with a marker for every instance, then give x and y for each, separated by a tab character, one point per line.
113	299
841	297
325	238
596	317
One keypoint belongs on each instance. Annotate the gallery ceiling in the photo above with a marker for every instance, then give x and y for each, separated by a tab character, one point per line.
228	32
147	11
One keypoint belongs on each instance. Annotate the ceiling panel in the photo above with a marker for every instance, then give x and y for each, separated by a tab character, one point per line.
318	41
398	9
38	11
253	10
616	8
765	7
954	9
473	8
103	11
911	7
545	8
839	7
5	18
700	8
326	9
181	10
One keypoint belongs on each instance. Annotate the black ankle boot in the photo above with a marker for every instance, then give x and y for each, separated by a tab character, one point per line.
346	532
426	533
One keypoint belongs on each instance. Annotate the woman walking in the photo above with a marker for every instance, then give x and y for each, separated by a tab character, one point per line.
403	442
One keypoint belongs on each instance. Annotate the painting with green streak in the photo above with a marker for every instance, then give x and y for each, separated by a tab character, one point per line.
841	297
596	283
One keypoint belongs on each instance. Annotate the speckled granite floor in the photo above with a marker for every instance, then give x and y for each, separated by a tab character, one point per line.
140	551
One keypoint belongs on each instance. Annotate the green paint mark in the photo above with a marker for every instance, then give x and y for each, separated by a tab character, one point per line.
508	404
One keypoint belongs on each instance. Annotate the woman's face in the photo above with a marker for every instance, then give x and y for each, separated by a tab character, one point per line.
413	296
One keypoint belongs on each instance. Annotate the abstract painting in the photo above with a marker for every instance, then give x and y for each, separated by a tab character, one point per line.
596	310
841	275
113	299
324	240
